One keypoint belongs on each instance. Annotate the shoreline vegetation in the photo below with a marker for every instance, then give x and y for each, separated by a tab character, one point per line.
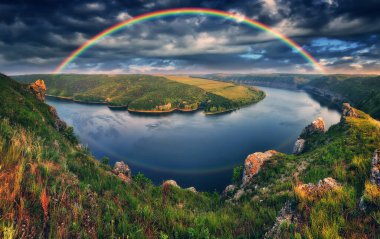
125	107
149	94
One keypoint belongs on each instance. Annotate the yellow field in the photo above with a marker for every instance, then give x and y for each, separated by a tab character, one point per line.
225	89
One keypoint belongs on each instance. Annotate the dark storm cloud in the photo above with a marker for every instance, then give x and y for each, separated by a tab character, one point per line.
342	34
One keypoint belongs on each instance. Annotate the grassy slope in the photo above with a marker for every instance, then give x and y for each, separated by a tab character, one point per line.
57	189
86	200
227	90
143	92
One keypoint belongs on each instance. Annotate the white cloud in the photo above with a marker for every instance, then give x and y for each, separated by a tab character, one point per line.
239	16
331	2
356	66
346	58
94	6
270	6
202	43
150	69
290	29
325	62
123	16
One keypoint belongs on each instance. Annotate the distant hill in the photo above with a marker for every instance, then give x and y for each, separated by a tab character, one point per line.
361	91
143	93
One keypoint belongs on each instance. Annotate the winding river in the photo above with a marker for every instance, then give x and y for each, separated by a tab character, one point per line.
192	148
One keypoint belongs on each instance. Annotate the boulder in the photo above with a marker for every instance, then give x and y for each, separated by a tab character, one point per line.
286	215
299	146
312	191
375	168
170	183
317	126
348	111
122	171
239	194
253	164
229	189
192	189
38	88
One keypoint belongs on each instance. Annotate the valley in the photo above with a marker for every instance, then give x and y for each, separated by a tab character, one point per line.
329	189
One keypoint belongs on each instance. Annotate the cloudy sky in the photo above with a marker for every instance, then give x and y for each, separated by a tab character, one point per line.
343	35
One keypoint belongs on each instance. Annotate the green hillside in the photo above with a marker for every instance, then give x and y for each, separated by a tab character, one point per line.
140	92
54	188
361	91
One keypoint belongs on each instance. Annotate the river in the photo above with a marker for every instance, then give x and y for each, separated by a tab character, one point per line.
192	148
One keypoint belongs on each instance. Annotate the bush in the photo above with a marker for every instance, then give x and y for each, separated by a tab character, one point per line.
237	174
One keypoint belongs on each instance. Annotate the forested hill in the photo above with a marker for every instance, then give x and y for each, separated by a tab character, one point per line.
362	91
146	93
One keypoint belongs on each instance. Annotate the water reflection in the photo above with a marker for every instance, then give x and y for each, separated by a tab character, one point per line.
194	149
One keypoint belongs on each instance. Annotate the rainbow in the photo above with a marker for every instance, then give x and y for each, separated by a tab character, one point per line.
190	11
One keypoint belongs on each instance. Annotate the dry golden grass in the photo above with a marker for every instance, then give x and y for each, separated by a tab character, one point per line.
372	193
225	89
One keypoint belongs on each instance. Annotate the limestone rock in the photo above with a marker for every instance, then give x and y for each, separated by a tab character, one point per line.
192	189
375	168
348	111
286	215
122	171
170	183
38	88
229	189
317	126
312	191
299	146
238	194
60	125
253	164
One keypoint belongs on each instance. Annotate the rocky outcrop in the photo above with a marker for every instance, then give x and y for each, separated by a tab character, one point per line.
170	183
317	126
375	168
312	191
192	189
229	190
59	124
38	88
253	164
326	94
373	187
299	146
238	194
287	215
348	111
122	171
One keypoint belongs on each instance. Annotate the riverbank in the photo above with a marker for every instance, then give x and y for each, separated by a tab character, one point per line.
125	107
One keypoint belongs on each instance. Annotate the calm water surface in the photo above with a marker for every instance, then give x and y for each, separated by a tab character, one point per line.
192	148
